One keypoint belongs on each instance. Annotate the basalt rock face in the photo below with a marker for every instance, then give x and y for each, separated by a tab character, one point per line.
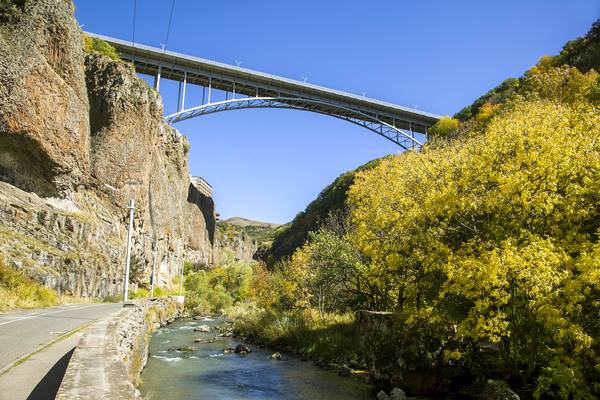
44	128
79	137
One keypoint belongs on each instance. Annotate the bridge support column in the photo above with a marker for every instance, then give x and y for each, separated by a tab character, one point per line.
181	103
209	88
157	79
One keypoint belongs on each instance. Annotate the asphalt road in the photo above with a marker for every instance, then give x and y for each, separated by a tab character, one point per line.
22	332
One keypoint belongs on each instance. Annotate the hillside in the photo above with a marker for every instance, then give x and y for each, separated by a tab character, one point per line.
480	253
582	53
244	222
331	200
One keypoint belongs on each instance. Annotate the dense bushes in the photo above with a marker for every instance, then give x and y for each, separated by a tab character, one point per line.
216	289
18	290
498	234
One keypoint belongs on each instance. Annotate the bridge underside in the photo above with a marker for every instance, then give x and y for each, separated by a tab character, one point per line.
404	138
251	89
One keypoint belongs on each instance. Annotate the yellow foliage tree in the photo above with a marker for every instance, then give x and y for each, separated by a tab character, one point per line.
498	234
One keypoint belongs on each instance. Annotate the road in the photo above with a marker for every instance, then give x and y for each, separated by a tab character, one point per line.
24	332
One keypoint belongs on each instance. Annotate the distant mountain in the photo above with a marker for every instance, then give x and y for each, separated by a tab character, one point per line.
262	232
243	222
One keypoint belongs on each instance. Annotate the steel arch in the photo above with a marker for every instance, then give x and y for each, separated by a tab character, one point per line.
370	122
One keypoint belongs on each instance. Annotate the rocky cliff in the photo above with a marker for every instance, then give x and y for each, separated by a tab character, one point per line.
239	245
80	135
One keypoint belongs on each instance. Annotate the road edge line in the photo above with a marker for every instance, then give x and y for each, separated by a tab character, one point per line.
44	346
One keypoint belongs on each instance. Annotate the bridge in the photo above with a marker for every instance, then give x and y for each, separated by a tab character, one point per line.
245	88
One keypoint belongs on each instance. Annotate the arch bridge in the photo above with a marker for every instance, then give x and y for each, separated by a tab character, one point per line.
245	88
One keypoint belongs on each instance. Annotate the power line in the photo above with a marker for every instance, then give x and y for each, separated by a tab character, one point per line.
170	20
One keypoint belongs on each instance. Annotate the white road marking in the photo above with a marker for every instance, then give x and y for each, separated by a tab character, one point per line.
48	313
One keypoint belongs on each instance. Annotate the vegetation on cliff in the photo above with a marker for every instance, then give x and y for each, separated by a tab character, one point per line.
98	46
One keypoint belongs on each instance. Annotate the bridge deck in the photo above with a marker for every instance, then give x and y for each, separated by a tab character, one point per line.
246	82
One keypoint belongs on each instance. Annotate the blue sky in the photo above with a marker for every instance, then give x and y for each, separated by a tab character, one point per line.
436	55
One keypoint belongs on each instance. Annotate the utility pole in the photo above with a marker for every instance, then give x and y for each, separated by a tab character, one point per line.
181	280
128	261
154	268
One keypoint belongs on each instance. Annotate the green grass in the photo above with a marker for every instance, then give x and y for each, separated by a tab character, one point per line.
17	290
328	338
141	293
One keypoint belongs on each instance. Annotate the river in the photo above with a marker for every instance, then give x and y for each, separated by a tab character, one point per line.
205	372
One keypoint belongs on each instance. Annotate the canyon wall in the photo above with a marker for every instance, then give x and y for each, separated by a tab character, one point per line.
81	135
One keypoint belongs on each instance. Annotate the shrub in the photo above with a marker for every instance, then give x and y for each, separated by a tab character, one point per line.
445	127
328	337
216	289
98	46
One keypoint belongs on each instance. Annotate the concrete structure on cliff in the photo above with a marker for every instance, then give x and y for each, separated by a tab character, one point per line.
203	187
246	88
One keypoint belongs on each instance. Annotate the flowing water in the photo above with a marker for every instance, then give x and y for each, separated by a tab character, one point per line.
208	373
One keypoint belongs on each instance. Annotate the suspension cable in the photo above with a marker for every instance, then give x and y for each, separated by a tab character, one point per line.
134	13
169	26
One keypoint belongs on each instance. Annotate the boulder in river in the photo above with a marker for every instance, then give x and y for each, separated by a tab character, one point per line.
395	394
228	350
185	349
204	341
497	390
345	371
276	356
242	348
202	328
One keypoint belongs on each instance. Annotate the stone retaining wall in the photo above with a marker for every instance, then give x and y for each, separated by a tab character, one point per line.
111	355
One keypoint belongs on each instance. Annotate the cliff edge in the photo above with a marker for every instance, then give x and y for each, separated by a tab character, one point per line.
80	135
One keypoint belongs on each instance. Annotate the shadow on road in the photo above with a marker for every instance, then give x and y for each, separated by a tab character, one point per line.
47	388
